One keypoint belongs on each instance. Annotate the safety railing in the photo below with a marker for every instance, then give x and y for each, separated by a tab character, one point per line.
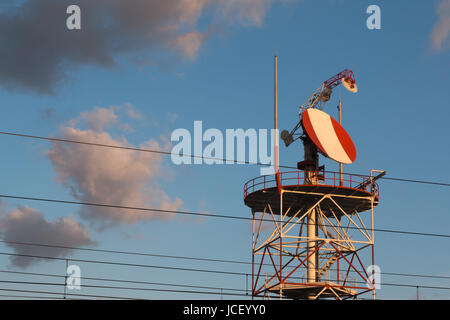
323	178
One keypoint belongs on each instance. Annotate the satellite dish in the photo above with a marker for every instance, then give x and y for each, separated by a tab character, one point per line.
328	136
350	85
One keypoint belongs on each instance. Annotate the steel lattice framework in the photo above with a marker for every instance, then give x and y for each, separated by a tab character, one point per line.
331	264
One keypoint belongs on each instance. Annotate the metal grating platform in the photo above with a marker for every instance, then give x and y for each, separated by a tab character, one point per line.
354	194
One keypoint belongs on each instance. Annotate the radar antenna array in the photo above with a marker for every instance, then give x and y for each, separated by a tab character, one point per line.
318	99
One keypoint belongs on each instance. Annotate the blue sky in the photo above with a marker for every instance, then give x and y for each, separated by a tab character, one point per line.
398	121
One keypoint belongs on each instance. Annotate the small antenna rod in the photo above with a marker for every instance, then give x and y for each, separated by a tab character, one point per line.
277	173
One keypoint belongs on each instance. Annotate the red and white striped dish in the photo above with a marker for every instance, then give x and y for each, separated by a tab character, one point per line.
329	136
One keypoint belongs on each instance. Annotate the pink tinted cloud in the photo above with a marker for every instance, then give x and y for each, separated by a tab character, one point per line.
441	30
28	225
112	176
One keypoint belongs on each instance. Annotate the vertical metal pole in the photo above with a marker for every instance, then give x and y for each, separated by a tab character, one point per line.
246	284
281	245
277	173
253	253
341	175
276	161
276	101
311	178
276	114
311	267
65	278
373	240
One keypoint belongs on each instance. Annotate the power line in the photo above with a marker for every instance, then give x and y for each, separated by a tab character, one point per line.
68	294
193	156
415	275
183	258
140	282
124	252
417	181
26	297
125	264
94	144
124	288
199	214
191	291
123	207
187	269
123	281
215	215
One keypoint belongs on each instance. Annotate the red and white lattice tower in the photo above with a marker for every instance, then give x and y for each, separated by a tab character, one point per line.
313	229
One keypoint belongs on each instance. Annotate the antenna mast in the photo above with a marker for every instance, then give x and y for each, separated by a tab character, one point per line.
277	173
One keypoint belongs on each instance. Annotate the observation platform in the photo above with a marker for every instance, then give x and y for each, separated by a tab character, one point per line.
352	193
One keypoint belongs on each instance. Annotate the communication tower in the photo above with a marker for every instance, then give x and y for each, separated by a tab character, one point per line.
313	232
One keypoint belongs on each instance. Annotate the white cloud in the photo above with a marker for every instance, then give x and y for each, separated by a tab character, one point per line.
99	119
247	12
188	44
39	53
441	30
112	176
27	225
131	111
